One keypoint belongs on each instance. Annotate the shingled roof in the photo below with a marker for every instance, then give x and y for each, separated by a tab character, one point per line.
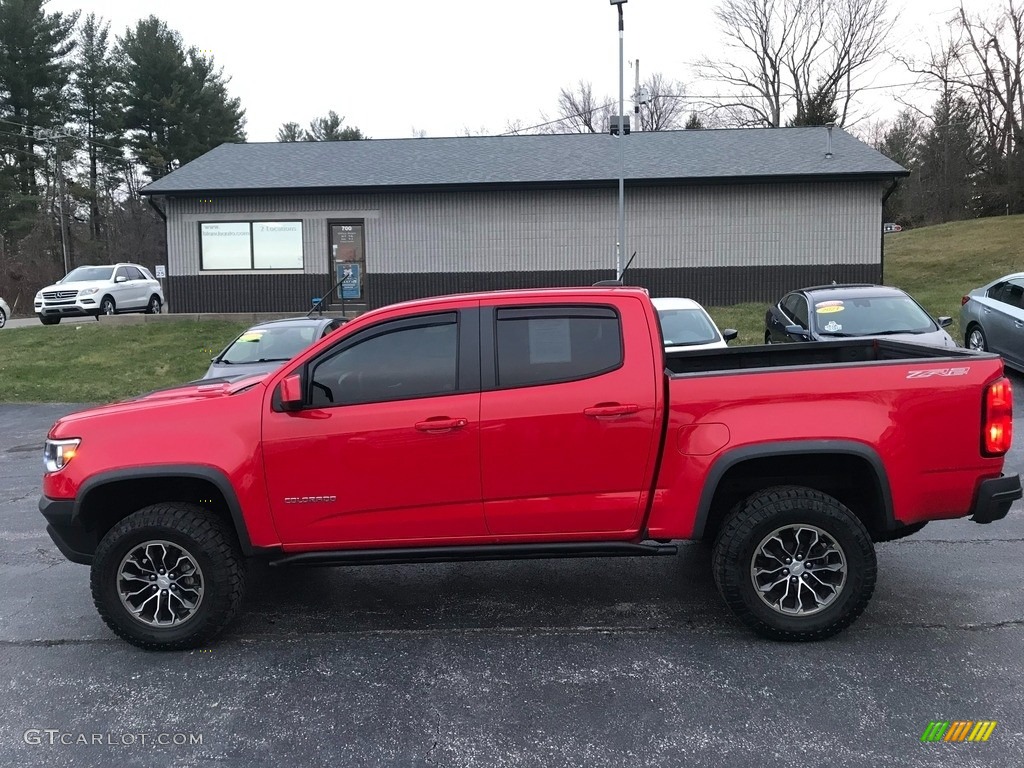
733	155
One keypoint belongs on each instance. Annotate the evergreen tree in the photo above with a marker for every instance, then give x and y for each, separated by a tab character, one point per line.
902	144
34	76
329	129
176	103
949	161
694	122
97	111
817	108
290	132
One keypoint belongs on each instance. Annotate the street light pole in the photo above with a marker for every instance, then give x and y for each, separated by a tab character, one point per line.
620	246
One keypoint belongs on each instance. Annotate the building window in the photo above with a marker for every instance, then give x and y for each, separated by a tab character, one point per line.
228	245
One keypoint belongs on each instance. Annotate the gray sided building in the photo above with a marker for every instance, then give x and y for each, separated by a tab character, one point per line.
721	216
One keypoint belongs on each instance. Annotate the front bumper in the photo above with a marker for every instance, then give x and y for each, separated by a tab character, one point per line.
994	498
81	307
74	541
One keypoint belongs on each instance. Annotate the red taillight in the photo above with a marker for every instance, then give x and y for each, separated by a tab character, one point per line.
964	299
998	418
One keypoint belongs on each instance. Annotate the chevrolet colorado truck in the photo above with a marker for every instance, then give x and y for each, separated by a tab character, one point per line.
529	424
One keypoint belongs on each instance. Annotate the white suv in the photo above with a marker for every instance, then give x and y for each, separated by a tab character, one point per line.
103	290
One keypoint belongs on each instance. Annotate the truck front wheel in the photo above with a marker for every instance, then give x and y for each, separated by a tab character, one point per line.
168	577
794	564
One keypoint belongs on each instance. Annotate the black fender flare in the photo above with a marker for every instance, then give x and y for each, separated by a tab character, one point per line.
730	459
197	471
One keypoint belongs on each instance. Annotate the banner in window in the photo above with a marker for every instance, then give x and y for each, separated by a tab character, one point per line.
351	285
226	245
277	245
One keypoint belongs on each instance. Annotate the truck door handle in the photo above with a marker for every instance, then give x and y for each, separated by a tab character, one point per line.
440	424
1018	323
610	409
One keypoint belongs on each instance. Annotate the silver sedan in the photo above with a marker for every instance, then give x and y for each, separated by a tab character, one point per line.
992	319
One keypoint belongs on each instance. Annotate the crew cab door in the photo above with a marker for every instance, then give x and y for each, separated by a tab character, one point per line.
386	446
568	415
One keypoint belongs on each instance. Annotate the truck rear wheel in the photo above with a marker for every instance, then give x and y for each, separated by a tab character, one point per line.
794	564
168	577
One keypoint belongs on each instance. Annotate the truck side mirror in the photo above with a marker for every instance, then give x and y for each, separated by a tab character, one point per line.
796	330
945	322
729	334
291	392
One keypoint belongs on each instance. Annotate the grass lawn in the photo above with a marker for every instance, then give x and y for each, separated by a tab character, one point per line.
936	265
98	363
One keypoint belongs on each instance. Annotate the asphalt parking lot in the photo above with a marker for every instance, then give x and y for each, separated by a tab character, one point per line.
536	663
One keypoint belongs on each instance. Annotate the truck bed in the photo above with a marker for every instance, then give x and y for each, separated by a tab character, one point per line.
843	352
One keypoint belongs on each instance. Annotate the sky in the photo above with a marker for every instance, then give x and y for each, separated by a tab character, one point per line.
445	67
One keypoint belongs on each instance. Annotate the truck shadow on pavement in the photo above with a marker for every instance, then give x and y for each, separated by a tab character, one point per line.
530	595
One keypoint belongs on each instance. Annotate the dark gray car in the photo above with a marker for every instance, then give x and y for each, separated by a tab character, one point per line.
832	312
266	346
992	319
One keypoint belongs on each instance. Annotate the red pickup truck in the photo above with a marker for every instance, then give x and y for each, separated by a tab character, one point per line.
528	424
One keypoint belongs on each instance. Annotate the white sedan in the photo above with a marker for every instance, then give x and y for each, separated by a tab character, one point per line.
686	326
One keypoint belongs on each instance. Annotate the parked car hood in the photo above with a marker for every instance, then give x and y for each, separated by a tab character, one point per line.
932	339
77	285
236	370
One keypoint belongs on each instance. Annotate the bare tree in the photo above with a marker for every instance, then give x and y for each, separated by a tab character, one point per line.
983	59
665	108
579	111
794	56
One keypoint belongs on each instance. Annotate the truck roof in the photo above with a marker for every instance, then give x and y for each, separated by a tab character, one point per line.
568	293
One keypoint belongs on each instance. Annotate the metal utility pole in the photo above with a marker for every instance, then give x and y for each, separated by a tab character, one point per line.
620	246
637	99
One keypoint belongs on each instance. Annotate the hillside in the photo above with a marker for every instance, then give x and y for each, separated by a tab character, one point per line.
937	265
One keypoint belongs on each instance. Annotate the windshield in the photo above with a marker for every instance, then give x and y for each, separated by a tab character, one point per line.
262	345
871	316
80	274
681	327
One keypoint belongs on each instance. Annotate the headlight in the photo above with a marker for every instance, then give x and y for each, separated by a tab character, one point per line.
88	291
57	453
39	296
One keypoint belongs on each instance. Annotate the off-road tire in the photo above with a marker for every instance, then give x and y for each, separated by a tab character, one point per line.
207	538
744	529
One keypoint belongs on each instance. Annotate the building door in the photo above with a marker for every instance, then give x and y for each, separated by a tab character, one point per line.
348	257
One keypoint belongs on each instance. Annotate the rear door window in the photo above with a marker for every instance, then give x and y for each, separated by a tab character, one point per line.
796	307
556	344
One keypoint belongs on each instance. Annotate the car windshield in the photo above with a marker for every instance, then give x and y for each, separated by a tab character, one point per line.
681	327
80	274
264	345
871	316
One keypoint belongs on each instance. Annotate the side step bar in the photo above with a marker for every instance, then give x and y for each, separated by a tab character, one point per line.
477	552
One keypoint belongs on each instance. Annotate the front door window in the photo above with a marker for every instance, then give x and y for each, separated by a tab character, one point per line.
349	258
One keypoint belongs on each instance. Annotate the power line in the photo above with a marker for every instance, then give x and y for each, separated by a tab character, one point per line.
56	134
